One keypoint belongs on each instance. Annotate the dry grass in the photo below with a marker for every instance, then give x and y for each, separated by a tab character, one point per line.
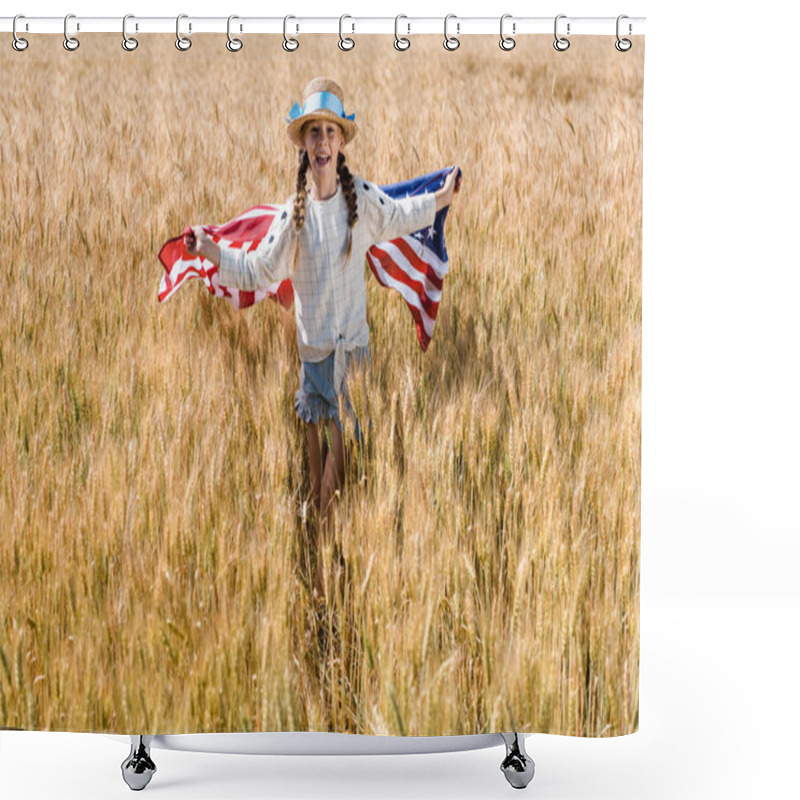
152	488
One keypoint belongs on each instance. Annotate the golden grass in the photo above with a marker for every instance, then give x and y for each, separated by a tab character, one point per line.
152	488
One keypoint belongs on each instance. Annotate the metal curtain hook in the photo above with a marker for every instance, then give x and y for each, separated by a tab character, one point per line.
182	43
128	42
345	43
451	42
289	45
18	43
561	44
400	42
70	42
506	42
234	45
623	45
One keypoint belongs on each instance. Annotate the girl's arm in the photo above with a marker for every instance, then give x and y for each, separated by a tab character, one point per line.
270	262
389	218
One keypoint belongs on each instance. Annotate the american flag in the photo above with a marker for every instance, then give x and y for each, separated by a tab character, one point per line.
414	265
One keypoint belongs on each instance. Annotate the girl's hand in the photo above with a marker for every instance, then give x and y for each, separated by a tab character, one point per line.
198	242
452	183
194	237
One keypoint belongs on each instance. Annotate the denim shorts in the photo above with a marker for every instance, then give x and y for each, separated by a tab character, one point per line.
316	399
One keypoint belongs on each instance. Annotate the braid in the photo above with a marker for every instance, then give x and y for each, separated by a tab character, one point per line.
301	192
349	190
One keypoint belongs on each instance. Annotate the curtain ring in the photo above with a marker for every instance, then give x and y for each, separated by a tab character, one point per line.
450	42
506	42
18	43
234	45
128	42
400	42
345	42
289	45
561	44
182	43
623	45
70	42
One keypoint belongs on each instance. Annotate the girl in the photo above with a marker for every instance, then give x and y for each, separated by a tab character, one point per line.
319	239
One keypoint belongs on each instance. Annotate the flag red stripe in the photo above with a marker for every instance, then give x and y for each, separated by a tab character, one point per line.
171	252
246	298
394	271
424	267
285	294
255	227
422	337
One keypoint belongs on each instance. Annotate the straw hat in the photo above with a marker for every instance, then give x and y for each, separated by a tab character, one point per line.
322	99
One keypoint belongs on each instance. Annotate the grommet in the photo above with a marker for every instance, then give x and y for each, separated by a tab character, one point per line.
18	43
450	42
182	43
234	45
561	44
289	44
128	42
623	45
345	42
506	42
70	42
400	42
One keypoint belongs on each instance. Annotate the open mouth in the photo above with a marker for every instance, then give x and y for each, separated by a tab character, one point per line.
322	160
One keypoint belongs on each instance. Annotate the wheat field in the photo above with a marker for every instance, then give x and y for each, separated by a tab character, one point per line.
483	574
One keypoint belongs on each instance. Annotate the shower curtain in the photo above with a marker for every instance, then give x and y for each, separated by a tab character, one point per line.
163	564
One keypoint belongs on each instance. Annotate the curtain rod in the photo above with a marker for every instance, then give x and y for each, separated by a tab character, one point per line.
406	26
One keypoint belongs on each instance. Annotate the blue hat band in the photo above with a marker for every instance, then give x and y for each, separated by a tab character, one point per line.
320	101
